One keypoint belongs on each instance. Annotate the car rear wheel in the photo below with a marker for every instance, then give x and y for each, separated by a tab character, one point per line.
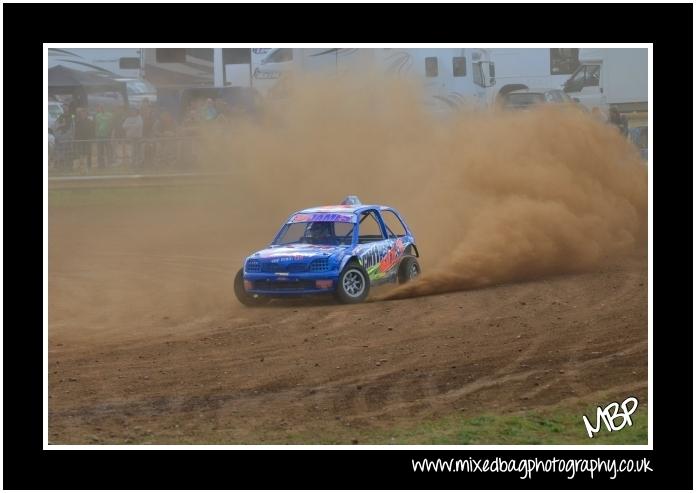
353	284
244	297
409	269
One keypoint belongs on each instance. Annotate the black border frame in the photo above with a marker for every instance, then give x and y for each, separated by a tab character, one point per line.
26	26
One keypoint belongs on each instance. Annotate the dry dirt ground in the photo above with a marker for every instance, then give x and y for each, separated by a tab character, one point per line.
148	345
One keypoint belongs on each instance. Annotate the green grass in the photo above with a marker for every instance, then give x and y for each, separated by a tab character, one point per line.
552	427
561	426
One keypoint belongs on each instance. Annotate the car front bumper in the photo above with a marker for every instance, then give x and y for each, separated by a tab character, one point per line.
291	284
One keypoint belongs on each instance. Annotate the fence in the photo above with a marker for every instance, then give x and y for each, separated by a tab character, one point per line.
132	154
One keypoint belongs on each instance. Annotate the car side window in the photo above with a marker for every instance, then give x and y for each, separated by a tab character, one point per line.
369	228
395	228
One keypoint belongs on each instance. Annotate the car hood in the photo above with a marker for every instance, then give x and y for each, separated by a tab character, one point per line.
299	252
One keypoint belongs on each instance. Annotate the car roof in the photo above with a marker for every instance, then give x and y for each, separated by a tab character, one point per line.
351	209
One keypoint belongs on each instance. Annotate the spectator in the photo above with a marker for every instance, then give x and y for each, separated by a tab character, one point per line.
164	129
84	135
165	125
64	136
188	132
119	135
222	110
51	147
104	127
72	108
615	118
190	123
639	137
133	130
209	112
191	118
148	116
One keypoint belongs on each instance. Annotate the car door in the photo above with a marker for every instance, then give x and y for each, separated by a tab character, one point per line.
374	245
398	240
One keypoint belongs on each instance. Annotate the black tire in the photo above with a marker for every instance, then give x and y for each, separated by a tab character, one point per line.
409	269
245	298
353	284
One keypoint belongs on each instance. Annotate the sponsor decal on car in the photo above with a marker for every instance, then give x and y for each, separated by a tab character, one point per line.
322	217
380	258
392	256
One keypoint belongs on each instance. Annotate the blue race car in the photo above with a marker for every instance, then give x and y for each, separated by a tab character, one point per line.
341	249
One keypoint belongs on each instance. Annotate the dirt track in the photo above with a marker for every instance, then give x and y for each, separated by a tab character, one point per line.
147	344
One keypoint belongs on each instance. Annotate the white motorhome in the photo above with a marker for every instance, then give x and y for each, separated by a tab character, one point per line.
524	68
110	62
203	67
450	78
611	77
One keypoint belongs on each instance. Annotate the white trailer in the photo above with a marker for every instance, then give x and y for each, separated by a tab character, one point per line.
450	78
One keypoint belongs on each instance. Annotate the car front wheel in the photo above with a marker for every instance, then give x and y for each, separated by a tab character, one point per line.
353	284
244	297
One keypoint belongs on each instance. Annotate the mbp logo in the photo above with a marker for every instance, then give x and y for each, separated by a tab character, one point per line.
610	414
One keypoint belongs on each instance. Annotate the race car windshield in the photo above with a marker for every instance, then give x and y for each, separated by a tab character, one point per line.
316	233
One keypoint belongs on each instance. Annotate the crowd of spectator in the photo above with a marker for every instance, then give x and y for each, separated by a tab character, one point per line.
135	137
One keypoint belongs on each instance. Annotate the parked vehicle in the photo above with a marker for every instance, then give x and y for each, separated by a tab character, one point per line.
524	98
55	109
139	90
613	82
451	78
338	249
611	77
110	100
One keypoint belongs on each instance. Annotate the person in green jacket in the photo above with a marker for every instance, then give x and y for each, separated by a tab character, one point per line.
104	127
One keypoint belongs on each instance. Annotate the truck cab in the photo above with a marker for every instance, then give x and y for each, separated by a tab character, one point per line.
585	84
611	77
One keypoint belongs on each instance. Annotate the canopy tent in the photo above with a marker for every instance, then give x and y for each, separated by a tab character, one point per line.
63	80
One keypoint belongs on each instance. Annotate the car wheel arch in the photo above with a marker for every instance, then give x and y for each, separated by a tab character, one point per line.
412	250
347	259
